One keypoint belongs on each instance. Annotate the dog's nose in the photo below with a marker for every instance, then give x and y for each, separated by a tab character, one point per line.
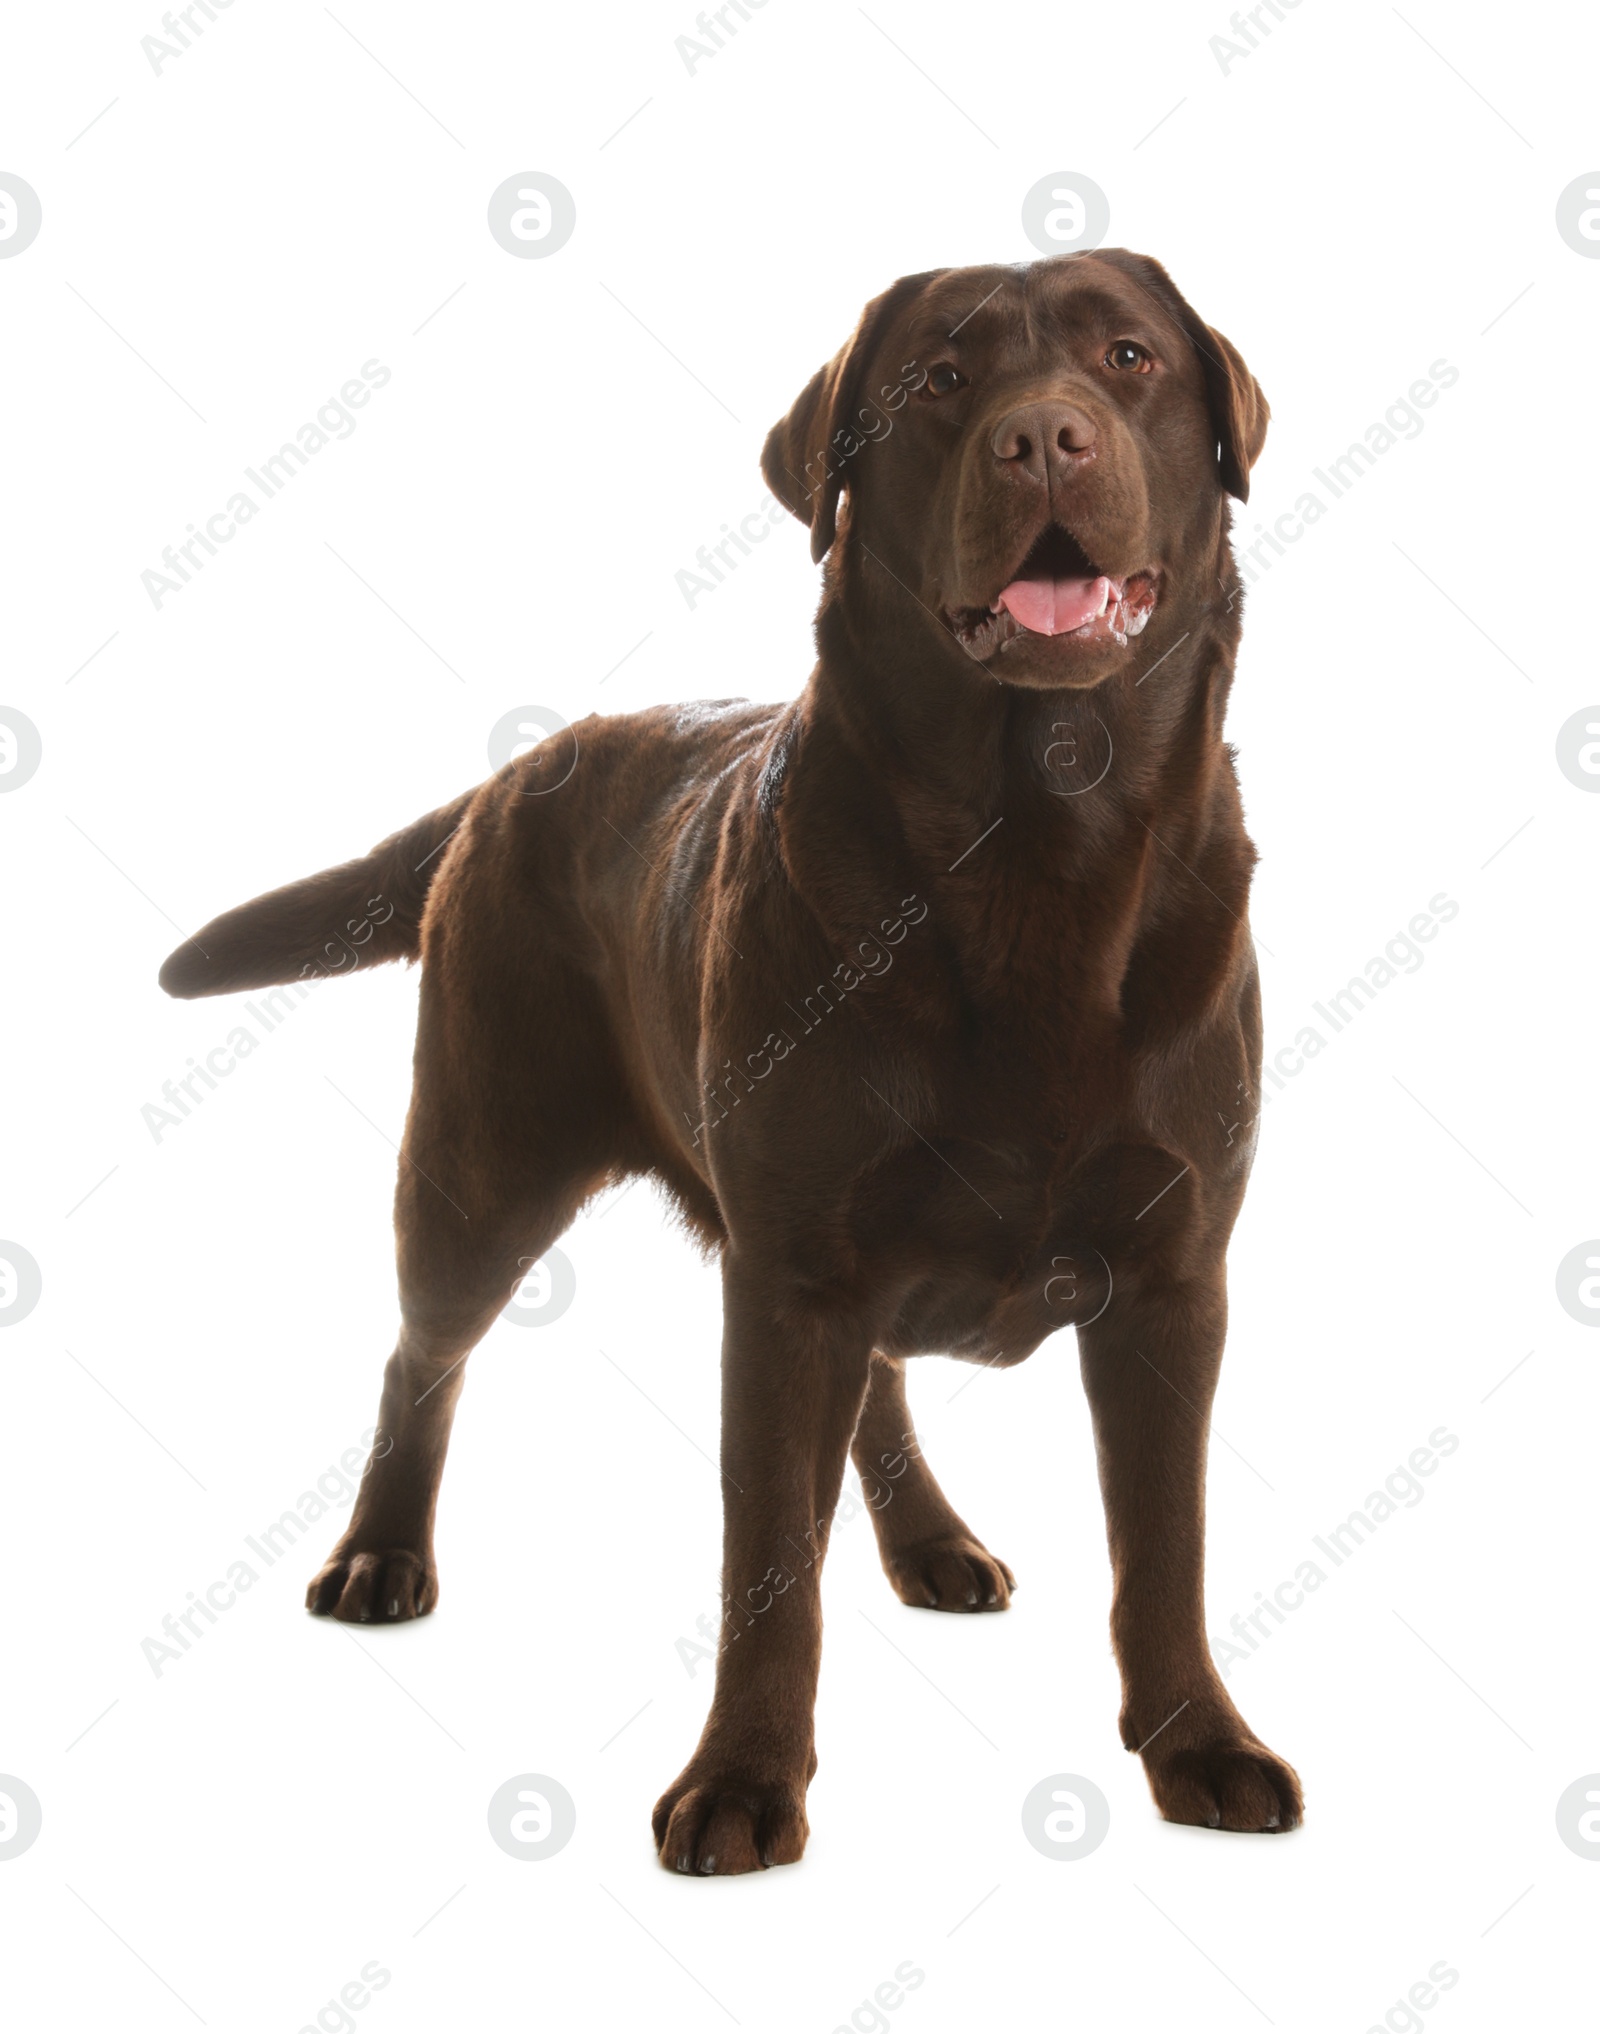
1044	440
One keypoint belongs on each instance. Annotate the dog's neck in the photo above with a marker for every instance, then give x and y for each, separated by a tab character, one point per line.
1055	833
932	729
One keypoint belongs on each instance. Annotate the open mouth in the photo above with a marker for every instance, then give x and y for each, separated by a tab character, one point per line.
1058	591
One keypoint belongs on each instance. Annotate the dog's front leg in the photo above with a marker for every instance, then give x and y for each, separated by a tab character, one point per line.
794	1375
1150	1369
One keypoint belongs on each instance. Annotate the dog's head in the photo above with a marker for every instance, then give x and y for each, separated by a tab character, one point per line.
1040	455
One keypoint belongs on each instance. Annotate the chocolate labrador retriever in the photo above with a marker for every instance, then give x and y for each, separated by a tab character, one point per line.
929	997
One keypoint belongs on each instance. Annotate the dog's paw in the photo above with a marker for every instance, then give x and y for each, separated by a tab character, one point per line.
1218	1776
714	1825
949	1574
386	1587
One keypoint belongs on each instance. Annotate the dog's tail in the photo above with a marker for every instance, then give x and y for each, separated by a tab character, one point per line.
354	916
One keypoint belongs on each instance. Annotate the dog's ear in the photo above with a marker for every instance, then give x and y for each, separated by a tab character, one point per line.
1239	410
805	460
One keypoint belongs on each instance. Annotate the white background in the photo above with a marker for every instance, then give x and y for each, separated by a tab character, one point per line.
233	1840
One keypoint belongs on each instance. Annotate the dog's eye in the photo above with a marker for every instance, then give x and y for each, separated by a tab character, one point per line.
942	380
1128	357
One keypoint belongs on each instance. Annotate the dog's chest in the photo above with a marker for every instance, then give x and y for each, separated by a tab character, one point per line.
1052	1161
993	1246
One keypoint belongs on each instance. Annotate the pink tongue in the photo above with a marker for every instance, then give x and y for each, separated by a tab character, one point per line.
1050	607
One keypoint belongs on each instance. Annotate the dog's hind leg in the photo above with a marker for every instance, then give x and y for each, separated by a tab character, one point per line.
456	1276
931	1556
504	1141
458	1269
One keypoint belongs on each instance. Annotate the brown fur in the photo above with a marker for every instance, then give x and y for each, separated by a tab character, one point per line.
939	1047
